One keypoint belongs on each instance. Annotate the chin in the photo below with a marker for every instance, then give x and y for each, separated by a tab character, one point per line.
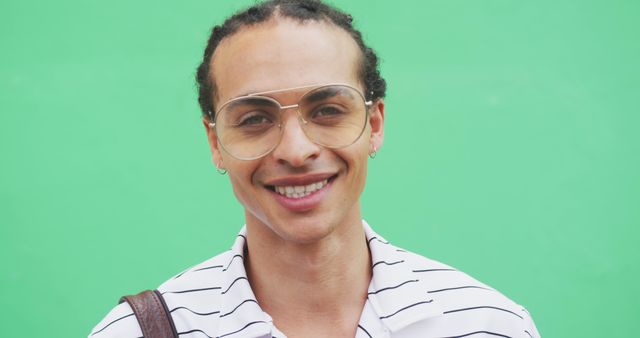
307	230
303	229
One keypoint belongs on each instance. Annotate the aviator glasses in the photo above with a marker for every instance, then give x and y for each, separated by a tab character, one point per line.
250	126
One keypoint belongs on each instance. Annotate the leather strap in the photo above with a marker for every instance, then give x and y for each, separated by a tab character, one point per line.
152	314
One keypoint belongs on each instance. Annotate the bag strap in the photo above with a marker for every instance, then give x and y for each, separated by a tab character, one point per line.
152	314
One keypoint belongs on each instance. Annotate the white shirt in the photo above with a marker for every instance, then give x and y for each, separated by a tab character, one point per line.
409	296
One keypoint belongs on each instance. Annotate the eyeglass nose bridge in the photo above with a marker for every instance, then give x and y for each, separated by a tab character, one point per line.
292	106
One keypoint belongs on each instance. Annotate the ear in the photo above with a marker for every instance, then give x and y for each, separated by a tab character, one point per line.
376	121
216	156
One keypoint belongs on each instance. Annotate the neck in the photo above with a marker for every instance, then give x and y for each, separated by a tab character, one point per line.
323	282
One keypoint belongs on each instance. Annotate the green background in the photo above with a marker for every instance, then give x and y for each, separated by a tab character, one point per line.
511	152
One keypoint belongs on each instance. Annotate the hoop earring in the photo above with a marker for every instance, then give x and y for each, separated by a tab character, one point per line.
373	154
220	171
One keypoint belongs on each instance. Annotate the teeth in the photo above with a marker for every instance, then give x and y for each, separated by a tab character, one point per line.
298	191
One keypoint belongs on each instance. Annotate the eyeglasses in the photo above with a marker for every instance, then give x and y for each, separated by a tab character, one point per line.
251	126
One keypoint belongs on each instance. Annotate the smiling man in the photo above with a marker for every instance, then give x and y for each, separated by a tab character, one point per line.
293	107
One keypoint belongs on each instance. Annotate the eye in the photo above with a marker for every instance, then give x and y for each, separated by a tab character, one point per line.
254	119
327	111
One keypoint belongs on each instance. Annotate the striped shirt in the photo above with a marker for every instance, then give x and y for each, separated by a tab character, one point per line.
409	296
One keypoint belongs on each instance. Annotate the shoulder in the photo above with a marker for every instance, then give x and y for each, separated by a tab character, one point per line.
468	306
413	295
119	322
191	294
194	296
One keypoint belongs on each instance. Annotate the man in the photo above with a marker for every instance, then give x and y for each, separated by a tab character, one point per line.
293	107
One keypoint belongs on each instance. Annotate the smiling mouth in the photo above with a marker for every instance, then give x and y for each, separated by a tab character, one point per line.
300	191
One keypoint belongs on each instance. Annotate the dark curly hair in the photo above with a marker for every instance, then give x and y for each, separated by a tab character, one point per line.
302	11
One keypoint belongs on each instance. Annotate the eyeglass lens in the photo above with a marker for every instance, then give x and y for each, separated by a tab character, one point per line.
332	116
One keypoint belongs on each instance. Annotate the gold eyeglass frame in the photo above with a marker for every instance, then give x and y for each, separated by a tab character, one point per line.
212	124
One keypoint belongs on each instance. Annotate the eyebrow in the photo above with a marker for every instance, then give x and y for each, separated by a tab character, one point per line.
325	93
319	95
254	101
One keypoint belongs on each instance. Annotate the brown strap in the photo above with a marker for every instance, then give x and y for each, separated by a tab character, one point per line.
152	314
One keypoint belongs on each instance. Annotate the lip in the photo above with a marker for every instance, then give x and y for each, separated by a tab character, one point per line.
305	203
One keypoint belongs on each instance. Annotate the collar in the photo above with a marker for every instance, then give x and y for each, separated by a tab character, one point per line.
240	314
395	292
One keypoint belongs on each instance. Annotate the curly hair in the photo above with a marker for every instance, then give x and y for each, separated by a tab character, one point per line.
302	11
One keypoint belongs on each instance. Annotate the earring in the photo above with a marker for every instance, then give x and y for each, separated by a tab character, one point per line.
373	154
220	171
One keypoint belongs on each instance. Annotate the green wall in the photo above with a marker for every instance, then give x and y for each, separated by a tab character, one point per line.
511	152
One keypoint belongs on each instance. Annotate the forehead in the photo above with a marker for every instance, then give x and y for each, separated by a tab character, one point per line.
283	53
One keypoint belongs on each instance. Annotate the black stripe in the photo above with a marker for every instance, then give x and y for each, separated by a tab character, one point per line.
104	327
484	307
196	313
433	270
234	281
231	261
383	262
393	287
246	326
460	287
478	332
200	269
209	267
527	332
192	331
377	239
400	250
407	307
193	290
180	274
243	236
234	309
365	331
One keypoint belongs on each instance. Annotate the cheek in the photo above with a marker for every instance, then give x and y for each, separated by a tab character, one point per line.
238	191
358	179
242	184
358	156
362	157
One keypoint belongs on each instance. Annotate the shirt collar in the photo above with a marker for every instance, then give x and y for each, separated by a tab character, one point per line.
240	314
395	293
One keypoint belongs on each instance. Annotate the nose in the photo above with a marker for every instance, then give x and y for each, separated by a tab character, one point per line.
295	148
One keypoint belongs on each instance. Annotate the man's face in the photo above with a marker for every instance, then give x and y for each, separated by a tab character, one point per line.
282	54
